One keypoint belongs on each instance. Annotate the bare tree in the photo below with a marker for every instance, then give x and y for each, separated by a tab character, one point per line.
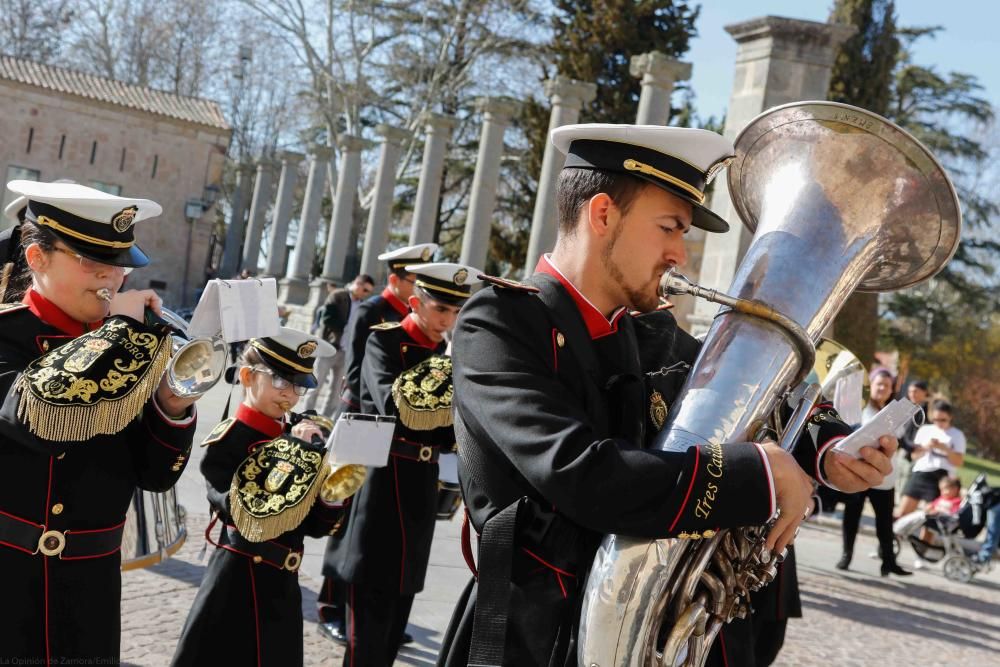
33	29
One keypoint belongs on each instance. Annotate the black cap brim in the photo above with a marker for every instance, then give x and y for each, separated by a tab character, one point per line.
702	217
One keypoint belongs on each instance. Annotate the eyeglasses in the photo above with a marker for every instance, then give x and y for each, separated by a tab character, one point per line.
279	382
92	266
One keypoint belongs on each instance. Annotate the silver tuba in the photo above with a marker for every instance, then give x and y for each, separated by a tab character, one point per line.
840	199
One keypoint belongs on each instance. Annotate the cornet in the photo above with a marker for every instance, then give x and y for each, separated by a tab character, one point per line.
196	364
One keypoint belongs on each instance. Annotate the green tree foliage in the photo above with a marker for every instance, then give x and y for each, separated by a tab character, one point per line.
591	41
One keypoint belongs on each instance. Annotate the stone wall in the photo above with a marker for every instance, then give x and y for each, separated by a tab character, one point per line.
187	157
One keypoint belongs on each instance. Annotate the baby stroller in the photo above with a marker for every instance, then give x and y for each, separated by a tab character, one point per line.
951	538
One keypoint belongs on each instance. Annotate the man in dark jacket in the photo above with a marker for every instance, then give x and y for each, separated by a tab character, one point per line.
550	403
384	551
332	319
389	306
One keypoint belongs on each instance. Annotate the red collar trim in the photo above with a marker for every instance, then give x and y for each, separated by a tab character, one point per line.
598	325
411	327
50	313
396	304
258	421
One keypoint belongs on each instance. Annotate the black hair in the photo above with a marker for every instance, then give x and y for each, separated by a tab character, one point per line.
941	405
15	276
399	271
577	186
920	384
952	482
364	278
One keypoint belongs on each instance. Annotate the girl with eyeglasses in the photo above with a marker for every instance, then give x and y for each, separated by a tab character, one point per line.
248	610
77	434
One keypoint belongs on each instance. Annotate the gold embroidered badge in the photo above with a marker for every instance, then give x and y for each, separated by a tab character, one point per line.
124	219
306	349
461	276
657	410
425	254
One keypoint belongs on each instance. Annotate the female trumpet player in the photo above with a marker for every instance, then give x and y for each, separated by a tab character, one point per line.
248	610
86	418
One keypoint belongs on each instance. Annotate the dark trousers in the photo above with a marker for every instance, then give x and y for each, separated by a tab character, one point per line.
330	602
882	502
376	620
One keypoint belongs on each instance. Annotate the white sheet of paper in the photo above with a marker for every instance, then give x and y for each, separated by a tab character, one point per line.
362	439
848	398
240	309
448	468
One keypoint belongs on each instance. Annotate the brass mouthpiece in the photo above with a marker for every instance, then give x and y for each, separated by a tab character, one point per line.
104	294
285	406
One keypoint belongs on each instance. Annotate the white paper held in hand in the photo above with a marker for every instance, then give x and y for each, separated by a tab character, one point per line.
240	309
890	420
362	439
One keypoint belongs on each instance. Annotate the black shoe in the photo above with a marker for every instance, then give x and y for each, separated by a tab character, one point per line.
893	568
407	639
334	631
845	561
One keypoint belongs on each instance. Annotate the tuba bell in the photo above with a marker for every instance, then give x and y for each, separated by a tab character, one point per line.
839	200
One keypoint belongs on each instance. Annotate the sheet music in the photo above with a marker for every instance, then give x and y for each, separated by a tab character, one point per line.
362	439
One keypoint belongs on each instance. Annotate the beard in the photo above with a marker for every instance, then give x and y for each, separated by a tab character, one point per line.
635	298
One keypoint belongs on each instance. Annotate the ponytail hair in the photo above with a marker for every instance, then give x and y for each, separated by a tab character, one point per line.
15	276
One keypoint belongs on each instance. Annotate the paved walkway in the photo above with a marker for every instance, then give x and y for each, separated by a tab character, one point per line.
851	619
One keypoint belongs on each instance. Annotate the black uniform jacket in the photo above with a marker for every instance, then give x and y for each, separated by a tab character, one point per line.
384	307
247	612
68	607
386	543
553	404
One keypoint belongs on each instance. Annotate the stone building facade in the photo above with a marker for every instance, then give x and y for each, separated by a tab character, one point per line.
127	140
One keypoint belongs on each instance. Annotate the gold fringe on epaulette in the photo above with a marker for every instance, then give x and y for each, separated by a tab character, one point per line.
5	280
262	529
420	419
73	423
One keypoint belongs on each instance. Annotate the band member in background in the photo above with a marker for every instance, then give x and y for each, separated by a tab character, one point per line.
550	403
392	305
78	435
248	610
383	553
332	319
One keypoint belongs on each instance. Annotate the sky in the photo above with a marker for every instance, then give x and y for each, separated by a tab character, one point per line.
969	43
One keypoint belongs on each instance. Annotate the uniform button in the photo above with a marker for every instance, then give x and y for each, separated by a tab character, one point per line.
708	534
405	348
560	339
257	559
175	468
45	346
682	535
57	508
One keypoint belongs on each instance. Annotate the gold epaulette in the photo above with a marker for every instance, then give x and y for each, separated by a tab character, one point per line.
218	432
275	487
11	307
385	326
423	394
507	283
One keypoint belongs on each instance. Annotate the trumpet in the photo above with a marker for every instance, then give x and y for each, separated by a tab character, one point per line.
196	364
344	479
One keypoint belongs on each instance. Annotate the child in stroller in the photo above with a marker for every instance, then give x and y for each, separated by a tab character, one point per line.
951	538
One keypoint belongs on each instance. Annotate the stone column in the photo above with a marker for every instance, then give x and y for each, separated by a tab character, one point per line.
343	207
282	211
497	112
380	213
425	206
568	97
295	286
230	264
262	187
778	61
659	72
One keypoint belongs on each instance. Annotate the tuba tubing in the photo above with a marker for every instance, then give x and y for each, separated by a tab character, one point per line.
839	199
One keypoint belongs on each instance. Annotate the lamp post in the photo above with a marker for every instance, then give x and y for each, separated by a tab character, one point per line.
193	209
